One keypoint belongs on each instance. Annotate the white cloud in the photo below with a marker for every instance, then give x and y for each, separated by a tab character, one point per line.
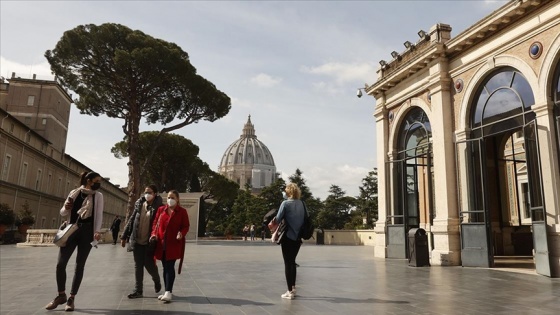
241	102
320	179
265	80
42	69
343	72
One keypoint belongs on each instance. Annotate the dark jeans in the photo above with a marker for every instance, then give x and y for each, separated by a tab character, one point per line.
144	259
168	273
81	239
290	250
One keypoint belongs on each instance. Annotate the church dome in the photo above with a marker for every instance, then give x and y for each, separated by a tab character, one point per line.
248	160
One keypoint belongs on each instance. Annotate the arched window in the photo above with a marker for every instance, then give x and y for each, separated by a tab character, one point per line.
414	134
413	203
503	102
556	99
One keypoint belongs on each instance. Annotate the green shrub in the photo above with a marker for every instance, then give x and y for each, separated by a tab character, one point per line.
7	216
25	216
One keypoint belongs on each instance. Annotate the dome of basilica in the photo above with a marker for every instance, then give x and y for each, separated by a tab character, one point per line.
248	160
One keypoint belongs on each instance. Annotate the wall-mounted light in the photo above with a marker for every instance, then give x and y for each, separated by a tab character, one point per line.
423	35
408	45
395	55
383	63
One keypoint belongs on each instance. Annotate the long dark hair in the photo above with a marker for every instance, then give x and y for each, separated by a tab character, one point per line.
87	175
153	188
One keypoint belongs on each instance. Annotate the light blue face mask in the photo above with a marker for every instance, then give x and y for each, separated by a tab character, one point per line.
284	195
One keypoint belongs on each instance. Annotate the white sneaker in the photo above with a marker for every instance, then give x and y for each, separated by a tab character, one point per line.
167	296
159	297
288	295
294	291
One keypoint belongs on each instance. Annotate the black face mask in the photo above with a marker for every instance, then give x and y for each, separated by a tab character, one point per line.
95	186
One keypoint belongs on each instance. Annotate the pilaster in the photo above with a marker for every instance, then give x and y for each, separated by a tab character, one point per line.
446	224
382	132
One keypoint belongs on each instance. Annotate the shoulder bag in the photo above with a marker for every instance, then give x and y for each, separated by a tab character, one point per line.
65	231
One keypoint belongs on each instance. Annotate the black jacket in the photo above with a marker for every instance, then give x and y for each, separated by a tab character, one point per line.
131	229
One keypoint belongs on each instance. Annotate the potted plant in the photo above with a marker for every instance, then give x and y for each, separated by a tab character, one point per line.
7	217
229	233
25	218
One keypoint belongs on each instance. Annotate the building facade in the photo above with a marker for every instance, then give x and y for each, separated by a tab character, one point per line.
248	161
468	138
34	117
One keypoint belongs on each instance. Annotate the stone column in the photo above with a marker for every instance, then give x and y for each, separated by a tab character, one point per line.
382	132
548	150
446	224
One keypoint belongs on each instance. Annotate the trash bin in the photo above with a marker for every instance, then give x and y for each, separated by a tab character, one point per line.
418	253
320	237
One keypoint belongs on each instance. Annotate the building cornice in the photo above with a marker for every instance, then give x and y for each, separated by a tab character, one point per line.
426	52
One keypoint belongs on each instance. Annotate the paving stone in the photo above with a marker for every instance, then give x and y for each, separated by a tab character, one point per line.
247	278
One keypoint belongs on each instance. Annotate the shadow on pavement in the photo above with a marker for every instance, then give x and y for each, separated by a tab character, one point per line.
349	300
220	300
132	312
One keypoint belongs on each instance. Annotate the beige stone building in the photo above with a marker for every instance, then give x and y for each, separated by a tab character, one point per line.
248	161
34	117
468	137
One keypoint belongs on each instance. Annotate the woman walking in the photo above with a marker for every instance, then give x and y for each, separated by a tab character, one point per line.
137	232
293	211
84	206
169	229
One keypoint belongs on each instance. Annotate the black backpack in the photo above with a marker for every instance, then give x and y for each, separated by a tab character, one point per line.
306	231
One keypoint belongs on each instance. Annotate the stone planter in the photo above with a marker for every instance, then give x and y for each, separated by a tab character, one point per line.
22	229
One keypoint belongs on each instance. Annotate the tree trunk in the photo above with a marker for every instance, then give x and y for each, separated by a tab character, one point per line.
133	161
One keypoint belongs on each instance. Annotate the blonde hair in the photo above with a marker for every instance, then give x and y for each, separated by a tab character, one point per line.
293	191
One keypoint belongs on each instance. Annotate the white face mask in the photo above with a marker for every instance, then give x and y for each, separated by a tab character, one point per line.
149	197
171	202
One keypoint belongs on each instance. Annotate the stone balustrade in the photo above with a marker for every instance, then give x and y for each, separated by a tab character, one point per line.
45	237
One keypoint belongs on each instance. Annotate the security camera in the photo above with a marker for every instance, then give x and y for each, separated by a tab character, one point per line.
359	93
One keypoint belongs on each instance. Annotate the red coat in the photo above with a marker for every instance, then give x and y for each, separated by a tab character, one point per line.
169	226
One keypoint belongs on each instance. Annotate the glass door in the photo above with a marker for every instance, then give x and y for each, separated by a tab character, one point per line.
536	201
476	248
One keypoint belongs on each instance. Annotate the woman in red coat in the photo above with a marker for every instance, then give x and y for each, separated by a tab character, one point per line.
169	230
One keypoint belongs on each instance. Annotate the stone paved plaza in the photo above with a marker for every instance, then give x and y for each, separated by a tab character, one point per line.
236	277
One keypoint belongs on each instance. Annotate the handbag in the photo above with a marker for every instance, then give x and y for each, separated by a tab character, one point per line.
64	233
152	242
66	230
306	231
280	232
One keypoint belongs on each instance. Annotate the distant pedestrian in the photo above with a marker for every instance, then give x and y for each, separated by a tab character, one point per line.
84	206
263	231
169	229
245	232
137	232
293	211
252	232
115	229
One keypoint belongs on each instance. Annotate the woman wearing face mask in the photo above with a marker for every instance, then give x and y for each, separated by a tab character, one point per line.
137	232
169	229
83	206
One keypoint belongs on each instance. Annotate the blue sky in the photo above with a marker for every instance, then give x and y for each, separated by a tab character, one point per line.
294	66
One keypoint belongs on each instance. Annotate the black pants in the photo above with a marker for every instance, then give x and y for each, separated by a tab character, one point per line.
168	272
115	236
143	259
290	249
81	239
